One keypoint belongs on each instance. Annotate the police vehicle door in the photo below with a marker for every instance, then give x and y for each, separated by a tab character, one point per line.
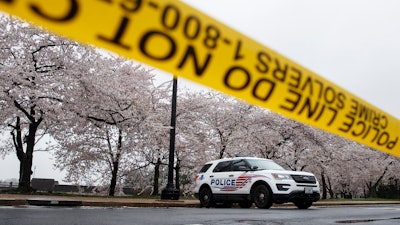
222	181
240	170
229	177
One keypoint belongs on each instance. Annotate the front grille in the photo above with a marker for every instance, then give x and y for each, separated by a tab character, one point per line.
304	179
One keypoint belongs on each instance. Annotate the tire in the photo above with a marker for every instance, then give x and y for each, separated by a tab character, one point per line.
245	204
262	197
206	197
303	204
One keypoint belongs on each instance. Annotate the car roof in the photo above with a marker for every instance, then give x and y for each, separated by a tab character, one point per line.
236	158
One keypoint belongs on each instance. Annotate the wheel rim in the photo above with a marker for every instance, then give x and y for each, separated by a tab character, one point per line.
260	197
205	199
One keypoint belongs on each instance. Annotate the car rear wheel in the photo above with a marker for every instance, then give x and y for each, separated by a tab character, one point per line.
262	197
206	197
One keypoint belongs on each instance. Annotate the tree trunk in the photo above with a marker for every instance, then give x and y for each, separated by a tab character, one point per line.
324	188
177	174
373	188
115	165
156	177
222	151
330	189
371	193
25	174
25	158
113	183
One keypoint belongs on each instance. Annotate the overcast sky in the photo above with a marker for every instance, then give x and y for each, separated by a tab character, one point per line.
353	43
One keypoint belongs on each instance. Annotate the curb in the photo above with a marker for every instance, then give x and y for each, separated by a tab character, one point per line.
53	202
144	203
355	203
72	203
24	200
12	202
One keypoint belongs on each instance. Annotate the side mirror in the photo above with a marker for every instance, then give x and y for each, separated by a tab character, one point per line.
254	168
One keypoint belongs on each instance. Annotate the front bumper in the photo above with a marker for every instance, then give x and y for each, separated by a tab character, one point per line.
296	196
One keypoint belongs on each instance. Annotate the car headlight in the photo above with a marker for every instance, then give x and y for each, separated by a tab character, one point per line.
279	176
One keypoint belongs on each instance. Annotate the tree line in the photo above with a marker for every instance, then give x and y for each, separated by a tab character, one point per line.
106	120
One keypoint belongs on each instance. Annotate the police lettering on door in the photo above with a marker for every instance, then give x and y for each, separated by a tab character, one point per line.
232	184
223	182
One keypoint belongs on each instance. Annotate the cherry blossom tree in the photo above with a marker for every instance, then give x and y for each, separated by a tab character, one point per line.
111	112
34	65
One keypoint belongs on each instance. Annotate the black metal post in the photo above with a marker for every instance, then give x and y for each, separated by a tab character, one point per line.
170	192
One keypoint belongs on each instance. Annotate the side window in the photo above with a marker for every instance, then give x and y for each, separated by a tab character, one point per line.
205	168
223	166
239	165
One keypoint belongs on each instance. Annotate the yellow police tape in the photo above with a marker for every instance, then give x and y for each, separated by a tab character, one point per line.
174	37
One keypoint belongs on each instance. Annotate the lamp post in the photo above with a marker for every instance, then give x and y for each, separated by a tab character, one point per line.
170	192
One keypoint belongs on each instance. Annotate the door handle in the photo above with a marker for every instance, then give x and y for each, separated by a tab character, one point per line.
212	176
231	175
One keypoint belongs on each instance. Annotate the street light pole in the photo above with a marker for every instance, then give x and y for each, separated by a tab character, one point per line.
170	192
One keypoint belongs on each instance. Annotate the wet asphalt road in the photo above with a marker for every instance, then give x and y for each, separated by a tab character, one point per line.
356	215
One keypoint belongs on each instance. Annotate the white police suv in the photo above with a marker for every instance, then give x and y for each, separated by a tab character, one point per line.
248	180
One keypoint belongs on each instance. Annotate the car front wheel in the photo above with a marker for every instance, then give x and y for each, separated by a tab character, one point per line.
262	197
206	197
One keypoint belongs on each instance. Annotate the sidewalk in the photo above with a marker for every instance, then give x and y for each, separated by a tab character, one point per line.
16	200
48	200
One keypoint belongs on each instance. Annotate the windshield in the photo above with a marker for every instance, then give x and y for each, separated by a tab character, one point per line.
262	164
